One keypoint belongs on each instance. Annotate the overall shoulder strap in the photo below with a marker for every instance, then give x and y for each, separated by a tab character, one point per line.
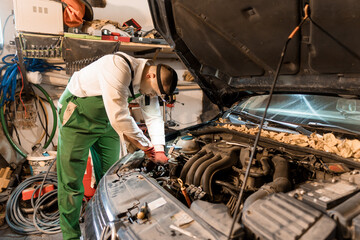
131	88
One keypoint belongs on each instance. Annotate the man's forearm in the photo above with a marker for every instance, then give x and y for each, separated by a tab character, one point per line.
136	143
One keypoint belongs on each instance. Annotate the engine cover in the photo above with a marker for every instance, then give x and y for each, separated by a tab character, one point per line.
280	216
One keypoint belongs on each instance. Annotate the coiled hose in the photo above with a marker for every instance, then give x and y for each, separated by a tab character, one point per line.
41	221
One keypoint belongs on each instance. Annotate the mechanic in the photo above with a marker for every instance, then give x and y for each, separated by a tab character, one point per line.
94	114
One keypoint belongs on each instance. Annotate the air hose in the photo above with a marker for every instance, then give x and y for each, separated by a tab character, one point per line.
40	221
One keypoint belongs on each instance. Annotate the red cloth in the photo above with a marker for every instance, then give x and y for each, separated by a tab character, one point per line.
73	13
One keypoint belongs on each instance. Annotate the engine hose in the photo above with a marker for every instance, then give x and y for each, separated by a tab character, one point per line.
7	134
228	185
40	221
280	183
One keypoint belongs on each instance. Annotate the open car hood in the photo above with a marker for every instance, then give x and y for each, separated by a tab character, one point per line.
233	47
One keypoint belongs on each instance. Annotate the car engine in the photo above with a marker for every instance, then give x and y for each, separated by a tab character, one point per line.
290	193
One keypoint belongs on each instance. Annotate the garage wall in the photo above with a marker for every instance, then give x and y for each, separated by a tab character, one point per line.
122	11
115	10
185	112
5	11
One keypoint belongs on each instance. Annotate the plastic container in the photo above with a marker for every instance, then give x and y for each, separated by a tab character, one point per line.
41	162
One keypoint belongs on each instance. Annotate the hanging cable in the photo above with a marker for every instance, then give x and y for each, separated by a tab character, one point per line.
237	214
13	127
8	88
22	88
52	134
41	122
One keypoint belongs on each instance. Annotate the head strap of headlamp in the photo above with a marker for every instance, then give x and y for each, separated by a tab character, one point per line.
173	76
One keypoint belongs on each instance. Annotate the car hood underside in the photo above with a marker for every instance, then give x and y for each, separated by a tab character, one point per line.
233	48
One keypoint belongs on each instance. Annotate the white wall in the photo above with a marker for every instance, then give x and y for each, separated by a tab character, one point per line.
121	11
6	10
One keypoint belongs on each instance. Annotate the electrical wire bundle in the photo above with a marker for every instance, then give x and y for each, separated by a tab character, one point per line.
9	91
13	120
42	217
38	219
8	81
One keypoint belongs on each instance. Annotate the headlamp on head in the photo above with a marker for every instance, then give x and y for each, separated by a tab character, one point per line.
173	79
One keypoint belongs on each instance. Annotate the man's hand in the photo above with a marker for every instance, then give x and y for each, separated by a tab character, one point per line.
150	153
156	154
160	157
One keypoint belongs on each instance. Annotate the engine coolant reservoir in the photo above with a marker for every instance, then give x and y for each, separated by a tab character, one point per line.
188	145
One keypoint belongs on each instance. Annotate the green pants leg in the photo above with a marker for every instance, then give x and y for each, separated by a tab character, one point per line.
85	125
105	152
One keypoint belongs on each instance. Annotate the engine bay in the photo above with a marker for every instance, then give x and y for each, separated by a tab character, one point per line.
209	165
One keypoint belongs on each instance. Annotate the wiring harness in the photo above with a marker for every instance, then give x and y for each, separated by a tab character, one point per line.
9	80
10	94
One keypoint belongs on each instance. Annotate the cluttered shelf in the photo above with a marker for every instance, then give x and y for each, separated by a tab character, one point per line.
79	50
131	44
52	46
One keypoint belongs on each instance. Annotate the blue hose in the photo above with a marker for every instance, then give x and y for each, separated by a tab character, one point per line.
9	80
8	85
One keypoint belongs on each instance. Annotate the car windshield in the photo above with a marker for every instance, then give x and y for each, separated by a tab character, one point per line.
304	109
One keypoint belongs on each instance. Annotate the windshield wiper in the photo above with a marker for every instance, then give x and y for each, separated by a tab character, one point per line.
323	125
295	127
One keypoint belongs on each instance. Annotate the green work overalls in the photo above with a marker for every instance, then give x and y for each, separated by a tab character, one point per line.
86	126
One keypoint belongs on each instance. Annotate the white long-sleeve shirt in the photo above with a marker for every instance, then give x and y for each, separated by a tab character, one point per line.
110	77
